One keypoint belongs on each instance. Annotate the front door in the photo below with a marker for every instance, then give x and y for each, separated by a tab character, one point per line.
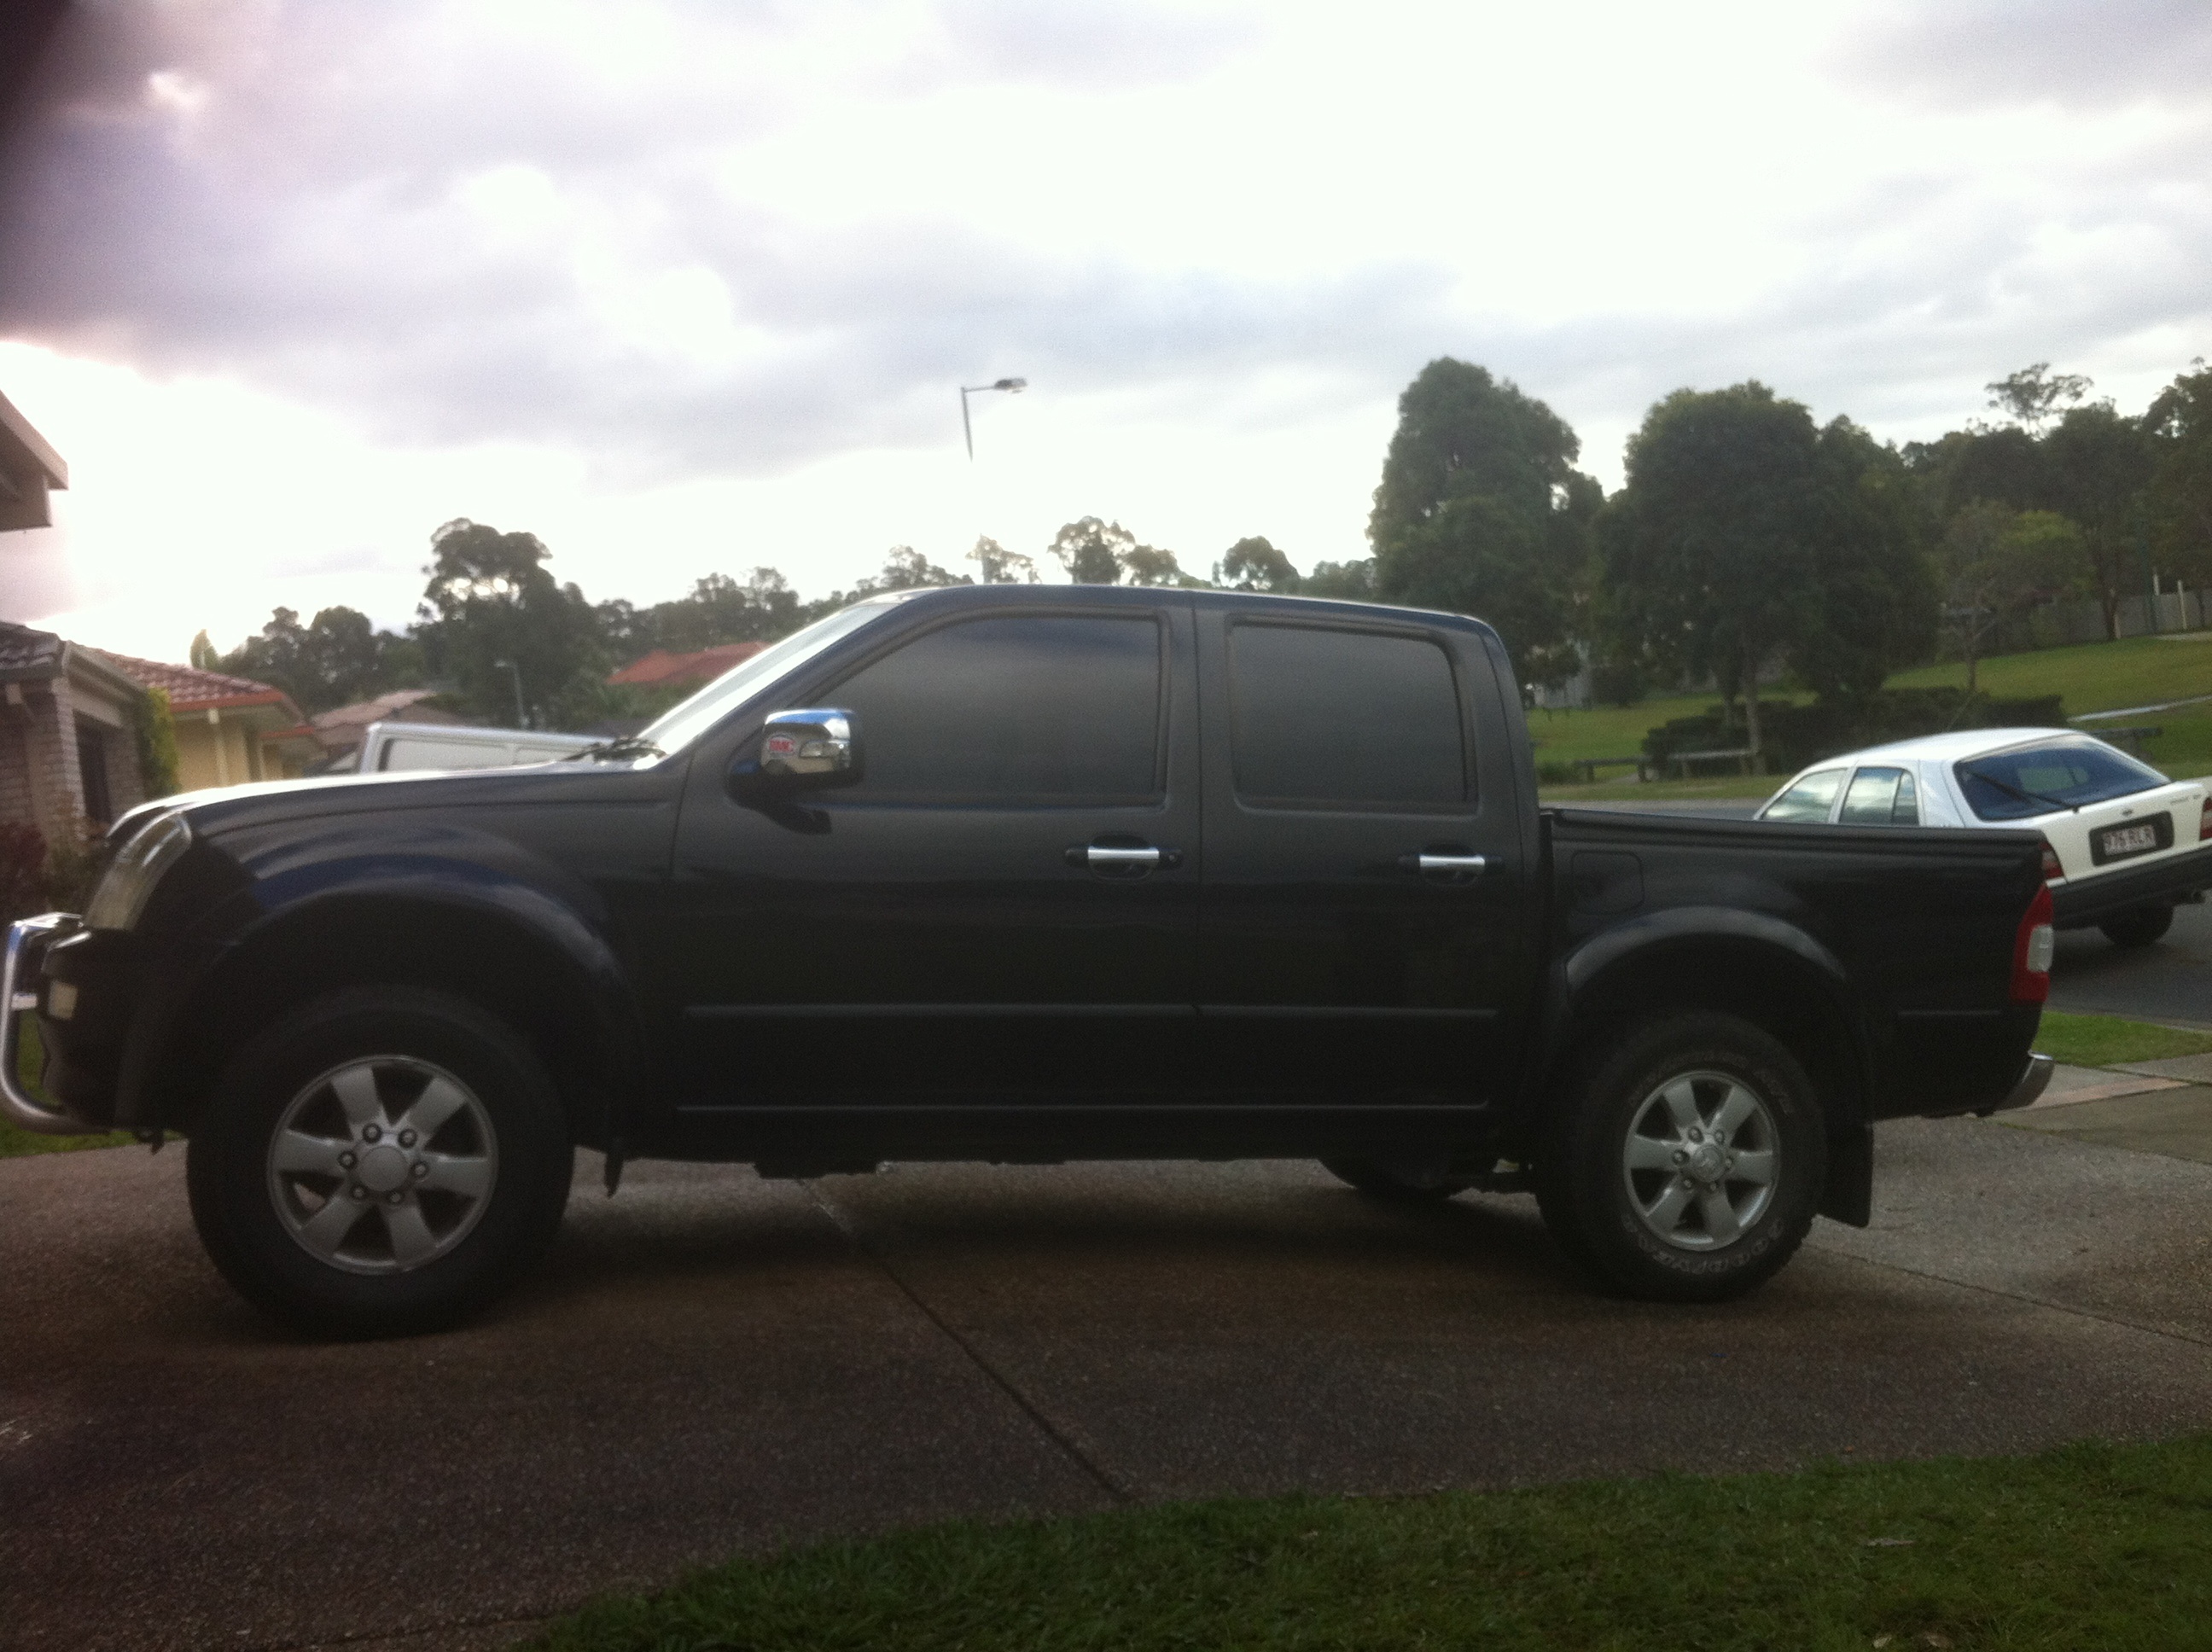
1003	911
1365	938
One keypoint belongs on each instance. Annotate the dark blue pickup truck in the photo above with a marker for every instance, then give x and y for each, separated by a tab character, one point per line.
1025	875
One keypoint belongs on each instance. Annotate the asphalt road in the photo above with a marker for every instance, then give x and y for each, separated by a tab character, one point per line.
712	1364
2168	981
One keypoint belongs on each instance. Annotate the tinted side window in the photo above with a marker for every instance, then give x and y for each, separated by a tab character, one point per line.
1025	706
1809	799
1343	717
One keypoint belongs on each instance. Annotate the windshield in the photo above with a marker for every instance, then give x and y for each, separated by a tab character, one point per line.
2039	780
678	726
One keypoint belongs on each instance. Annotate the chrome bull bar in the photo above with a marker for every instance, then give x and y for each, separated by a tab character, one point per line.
27	943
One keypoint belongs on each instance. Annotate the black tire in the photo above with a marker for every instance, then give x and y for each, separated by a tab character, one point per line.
1656	1231
2138	927
1395	1186
476	1196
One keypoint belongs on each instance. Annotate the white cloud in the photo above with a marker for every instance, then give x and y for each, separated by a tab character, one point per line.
689	285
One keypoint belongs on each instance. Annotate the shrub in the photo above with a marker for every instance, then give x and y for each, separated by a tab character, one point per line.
156	730
1794	736
22	870
1618	683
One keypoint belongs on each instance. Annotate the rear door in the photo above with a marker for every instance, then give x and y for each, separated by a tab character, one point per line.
1365	938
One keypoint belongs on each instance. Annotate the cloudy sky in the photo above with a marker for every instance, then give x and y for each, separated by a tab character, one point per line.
686	285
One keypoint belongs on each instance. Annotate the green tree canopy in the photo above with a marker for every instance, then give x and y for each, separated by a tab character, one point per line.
1745	538
335	659
1348	581
1993	561
2179	501
2099	464
1105	553
1481	511
2034	395
996	565
1254	564
1091	550
491	607
906	568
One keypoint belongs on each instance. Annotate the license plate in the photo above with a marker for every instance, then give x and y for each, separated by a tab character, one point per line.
2128	839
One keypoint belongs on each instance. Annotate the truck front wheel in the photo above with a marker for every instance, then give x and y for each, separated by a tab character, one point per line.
380	1162
1686	1160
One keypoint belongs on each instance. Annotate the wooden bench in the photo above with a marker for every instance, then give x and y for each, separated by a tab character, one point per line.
1740	754
1589	766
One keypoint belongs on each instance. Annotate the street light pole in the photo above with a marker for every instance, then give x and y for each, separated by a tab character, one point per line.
521	716
968	430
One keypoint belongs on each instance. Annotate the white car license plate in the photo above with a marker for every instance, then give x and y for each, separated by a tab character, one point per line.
2129	839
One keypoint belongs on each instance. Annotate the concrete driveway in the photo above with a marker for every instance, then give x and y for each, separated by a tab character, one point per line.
714	1364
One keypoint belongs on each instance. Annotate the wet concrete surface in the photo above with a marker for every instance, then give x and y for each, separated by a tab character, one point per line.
712	1365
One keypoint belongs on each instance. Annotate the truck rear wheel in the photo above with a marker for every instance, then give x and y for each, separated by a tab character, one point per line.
380	1162
1686	1160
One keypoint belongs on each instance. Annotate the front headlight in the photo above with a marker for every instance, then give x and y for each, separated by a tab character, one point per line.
125	887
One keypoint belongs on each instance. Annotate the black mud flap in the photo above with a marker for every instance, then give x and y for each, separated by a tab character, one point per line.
1849	1195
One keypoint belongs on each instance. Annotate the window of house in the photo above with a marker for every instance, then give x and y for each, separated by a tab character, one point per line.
92	768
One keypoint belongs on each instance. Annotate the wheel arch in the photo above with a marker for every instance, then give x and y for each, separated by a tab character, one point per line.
1770	972
520	956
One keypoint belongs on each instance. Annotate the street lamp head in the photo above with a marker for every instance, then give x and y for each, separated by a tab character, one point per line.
1012	384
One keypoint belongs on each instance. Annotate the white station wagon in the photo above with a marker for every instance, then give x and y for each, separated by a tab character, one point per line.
2122	845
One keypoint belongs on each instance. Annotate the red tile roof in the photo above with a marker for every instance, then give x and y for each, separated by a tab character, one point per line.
191	689
661	666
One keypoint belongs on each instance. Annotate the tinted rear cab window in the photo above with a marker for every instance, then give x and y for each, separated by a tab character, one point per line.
1323	718
2039	780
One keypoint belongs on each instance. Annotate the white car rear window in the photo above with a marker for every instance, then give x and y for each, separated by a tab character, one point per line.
2061	774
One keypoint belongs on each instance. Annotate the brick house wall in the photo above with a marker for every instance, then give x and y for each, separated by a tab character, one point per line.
46	788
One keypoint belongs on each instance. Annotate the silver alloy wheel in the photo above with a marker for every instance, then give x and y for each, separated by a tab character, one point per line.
389	1135
1701	1159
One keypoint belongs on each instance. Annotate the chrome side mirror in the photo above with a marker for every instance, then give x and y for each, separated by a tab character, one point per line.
800	751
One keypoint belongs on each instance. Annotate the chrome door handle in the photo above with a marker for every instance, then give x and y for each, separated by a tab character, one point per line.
1094	855
1460	863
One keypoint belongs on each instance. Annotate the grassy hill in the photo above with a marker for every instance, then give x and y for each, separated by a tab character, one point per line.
2089	676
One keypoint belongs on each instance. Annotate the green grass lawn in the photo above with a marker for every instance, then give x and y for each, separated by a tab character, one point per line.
2093	1545
1610	731
16	1144
2108	677
2099	1040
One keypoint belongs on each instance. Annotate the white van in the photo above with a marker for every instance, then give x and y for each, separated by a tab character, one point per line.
388	746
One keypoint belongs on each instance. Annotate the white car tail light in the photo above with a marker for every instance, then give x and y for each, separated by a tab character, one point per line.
2204	821
2052	870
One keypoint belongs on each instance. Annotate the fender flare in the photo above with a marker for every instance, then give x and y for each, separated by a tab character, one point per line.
1848	1195
266	911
